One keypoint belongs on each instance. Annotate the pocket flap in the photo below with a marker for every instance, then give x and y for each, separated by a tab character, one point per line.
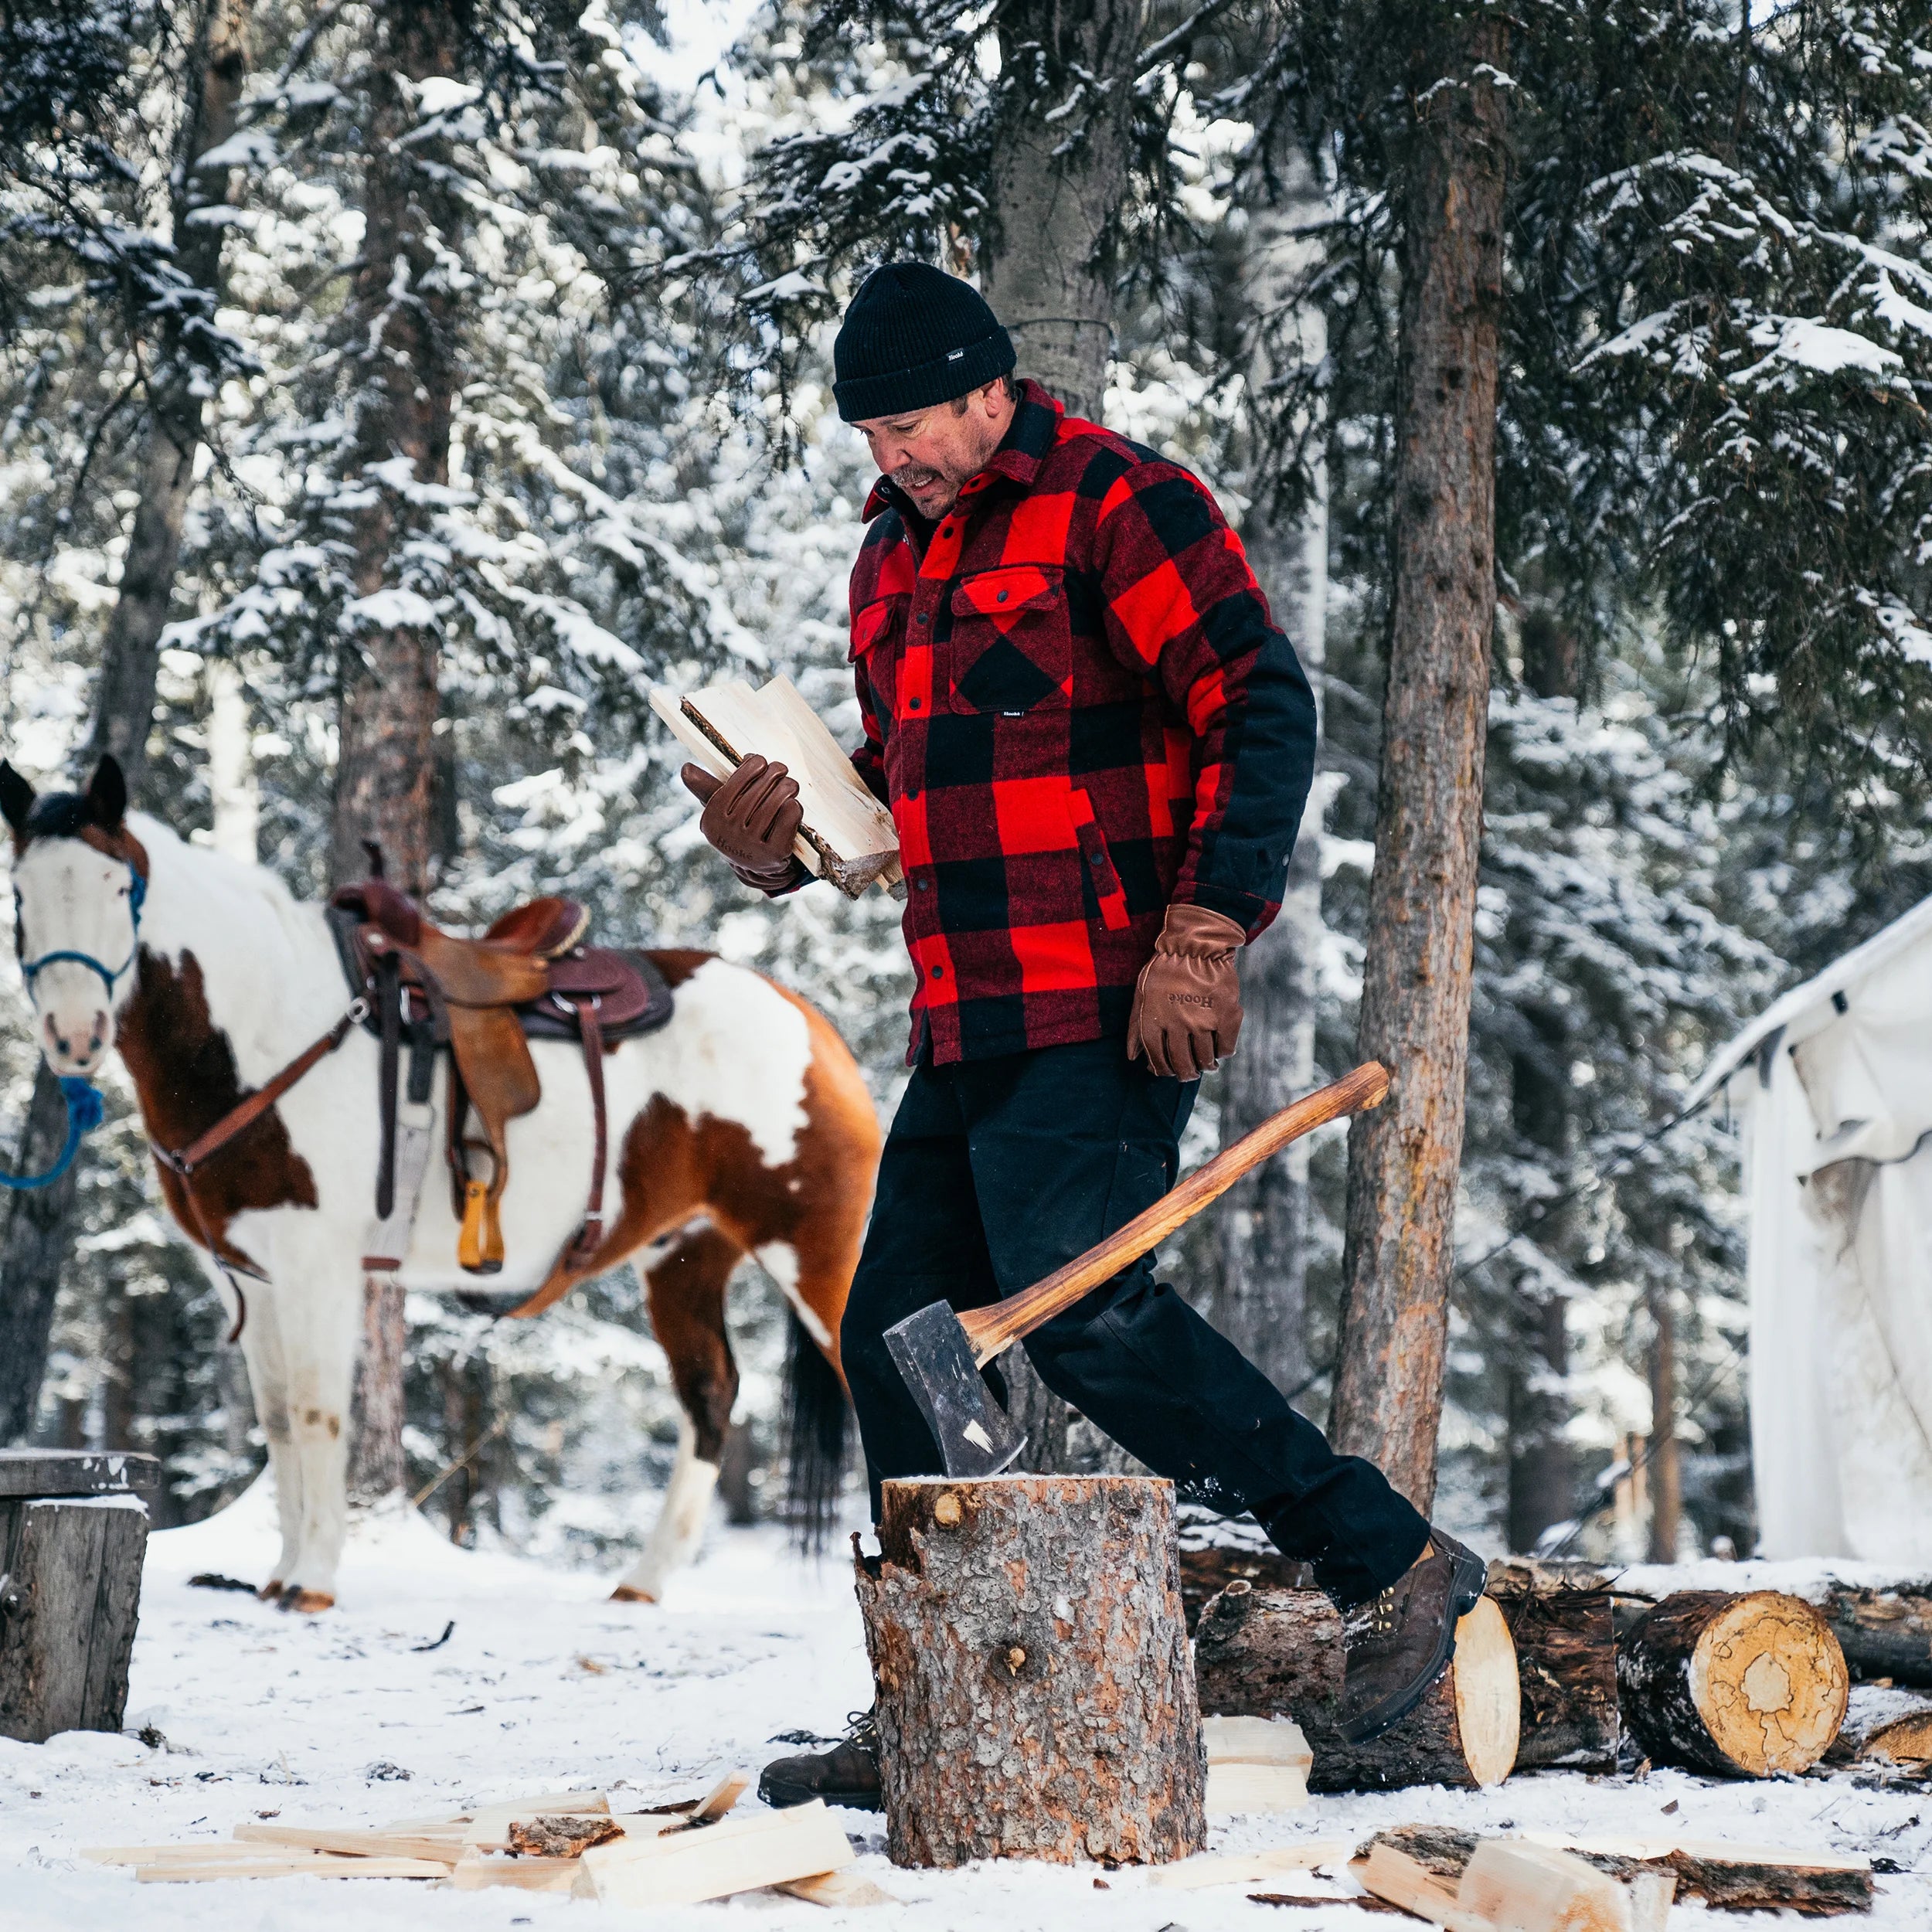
870	624
1004	593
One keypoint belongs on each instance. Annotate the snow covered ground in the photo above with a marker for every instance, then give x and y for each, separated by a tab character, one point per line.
544	1685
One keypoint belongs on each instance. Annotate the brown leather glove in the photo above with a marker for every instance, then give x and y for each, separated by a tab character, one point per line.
751	819
1187	1002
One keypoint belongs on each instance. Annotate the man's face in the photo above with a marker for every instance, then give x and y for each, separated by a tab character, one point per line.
930	453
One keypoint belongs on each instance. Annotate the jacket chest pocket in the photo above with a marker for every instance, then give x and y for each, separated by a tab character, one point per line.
1011	650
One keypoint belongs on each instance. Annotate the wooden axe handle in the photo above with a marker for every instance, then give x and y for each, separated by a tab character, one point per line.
993	1330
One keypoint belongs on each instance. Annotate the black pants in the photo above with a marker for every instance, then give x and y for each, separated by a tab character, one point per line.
995	1172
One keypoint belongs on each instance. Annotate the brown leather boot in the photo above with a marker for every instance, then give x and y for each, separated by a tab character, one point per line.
847	1774
1398	1644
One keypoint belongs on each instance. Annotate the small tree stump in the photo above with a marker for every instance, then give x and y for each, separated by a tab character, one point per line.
1741	1686
1258	1652
73	1534
1567	1664
1035	1695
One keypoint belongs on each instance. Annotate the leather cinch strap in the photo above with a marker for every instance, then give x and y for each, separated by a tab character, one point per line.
583	1247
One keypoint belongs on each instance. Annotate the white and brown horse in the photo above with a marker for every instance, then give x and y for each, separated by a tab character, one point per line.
742	1127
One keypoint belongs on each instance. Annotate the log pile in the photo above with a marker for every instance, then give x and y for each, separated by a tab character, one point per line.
1261	1653
1036	1698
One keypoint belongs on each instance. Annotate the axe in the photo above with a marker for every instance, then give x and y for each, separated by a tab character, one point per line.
940	1352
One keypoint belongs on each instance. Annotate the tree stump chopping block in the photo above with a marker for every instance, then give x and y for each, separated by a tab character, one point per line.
1036	1696
1261	1652
1738	1685
73	1533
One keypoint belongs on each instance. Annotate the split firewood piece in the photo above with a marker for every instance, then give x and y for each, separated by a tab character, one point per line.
1884	1633
554	1836
1726	1876
1534	1888
1258	1652
353	1842
1736	1686
843	1891
720	1798
1566	1666
475	1872
1035	1695
199	1852
291	1864
1391	1874
1256	1764
1248	1868
737	1855
1885	1724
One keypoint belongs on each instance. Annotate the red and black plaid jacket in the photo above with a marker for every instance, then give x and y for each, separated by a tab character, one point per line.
1078	711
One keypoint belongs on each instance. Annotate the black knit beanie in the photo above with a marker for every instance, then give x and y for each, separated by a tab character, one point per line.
913	337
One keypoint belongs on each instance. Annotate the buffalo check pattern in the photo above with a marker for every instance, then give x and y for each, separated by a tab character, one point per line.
1077	710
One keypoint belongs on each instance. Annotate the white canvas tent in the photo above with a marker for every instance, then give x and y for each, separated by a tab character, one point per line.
1834	1084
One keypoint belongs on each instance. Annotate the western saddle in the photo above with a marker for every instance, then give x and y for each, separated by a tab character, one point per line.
529	977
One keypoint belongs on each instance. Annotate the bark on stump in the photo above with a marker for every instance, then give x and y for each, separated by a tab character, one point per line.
1567	1664
1741	1686
1260	1652
1035	1697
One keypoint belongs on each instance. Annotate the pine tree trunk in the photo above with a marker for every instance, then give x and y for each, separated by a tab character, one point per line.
1739	1686
1259	1653
1404	1156
1261	1301
1047	268
1035	1697
38	1236
403	316
1666	1483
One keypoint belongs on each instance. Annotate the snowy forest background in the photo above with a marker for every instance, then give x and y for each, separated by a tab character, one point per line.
1707	754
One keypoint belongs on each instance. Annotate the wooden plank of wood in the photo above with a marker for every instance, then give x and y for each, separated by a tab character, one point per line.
1248	1868
474	1873
739	1854
562	1802
76	1472
294	1864
722	1796
842	1891
1393	1875
1532	1888
855	815
1232	1789
1255	1740
354	1841
202	1851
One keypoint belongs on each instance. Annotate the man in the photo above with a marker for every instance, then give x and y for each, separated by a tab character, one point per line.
1096	747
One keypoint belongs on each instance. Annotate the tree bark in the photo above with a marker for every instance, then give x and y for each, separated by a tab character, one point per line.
38	1234
1404	1158
402	317
1057	187
1567	1664
1035	1698
1046	268
1261	1303
1884	1633
375	1465
1261	1652
1666	1481
1739	1686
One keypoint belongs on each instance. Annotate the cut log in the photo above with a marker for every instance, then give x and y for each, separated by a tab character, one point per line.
1261	1653
1402	1880
1035	1695
1884	1724
1884	1633
739	1854
1206	1572
1727	1877
1739	1686
1566	1665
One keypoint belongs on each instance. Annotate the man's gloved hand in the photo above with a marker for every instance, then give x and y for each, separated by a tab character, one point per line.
1187	1002
751	819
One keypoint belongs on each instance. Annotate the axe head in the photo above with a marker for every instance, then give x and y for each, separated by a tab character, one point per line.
976	1437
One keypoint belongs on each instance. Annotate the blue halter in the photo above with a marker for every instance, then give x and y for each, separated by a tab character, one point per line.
83	1103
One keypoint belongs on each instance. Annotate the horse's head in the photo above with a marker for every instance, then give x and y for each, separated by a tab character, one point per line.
79	878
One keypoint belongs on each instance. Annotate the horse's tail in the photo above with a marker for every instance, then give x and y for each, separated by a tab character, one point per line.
816	1415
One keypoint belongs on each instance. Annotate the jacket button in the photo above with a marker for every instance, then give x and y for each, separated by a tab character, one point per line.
1001	598
924	617
924	883
912	704
911	795
939	972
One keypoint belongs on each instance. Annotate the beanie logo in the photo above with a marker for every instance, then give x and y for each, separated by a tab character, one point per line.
956	355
